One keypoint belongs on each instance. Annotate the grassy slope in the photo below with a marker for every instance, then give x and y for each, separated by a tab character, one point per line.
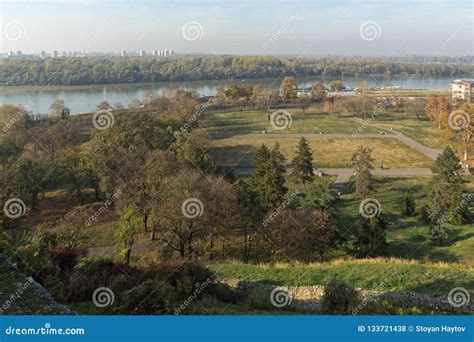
408	237
431	279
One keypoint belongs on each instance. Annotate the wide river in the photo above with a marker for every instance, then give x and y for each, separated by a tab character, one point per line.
83	99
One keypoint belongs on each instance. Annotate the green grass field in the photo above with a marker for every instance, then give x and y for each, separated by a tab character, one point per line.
314	121
239	151
400	275
408	237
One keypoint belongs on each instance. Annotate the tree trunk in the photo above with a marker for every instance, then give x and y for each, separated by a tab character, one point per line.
145	222
79	195
127	255
153	231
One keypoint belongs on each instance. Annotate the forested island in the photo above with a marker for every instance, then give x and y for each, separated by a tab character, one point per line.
114	70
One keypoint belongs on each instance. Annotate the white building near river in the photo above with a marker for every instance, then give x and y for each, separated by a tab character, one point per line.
463	90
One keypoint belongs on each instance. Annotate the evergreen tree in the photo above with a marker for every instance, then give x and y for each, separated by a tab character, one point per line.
320	196
370	237
448	166
303	162
445	195
268	180
438	207
407	205
362	164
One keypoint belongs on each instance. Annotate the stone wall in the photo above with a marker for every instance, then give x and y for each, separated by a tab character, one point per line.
309	297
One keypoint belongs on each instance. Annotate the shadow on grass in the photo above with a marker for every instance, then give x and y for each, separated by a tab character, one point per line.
441	287
234	156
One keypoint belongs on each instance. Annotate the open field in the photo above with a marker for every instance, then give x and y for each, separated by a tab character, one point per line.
400	275
313	121
238	151
317	121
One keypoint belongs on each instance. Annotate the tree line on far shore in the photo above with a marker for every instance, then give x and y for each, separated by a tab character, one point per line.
112	70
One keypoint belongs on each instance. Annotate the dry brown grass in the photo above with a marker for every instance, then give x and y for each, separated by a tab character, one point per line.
240	150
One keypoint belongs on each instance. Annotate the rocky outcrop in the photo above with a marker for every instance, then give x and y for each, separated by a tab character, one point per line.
22	295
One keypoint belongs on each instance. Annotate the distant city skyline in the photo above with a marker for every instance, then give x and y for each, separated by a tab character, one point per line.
343	28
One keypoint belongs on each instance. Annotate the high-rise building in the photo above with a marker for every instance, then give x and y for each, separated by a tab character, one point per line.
142	53
55	54
43	54
123	53
155	53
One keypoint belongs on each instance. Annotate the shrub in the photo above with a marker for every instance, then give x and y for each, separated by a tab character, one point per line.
151	297
339	298
91	274
259	298
192	276
66	258
425	214
225	293
407	204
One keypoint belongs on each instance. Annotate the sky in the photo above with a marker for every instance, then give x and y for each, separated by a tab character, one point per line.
259	27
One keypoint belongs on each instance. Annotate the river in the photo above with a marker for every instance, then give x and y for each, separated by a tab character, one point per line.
83	99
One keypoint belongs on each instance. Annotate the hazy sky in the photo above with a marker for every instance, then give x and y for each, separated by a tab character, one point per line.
351	27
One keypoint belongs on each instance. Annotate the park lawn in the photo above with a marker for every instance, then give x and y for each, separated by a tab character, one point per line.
239	151
435	279
423	131
315	120
250	121
408	237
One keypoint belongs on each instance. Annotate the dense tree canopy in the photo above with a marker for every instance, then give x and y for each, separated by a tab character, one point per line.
109	70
